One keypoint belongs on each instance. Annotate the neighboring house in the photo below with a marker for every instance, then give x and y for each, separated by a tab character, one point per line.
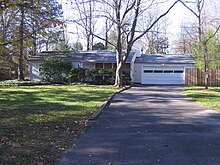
144	69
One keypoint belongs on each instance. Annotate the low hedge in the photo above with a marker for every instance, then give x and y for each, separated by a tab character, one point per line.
98	77
21	83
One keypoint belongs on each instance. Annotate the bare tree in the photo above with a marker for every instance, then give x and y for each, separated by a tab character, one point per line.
21	35
202	37
186	38
124	17
86	19
126	21
156	40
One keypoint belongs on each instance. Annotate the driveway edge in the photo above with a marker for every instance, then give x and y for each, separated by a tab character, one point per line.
106	103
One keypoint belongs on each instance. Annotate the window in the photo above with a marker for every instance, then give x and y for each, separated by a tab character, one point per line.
178	71
126	68
99	65
114	66
158	71
168	71
108	65
148	71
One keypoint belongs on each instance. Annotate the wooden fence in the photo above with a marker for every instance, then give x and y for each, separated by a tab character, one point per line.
197	77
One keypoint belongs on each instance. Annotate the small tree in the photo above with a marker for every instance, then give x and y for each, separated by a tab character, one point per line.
63	46
78	46
212	49
203	39
55	70
98	46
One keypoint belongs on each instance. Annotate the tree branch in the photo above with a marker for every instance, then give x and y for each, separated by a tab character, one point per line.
151	26
189	8
216	31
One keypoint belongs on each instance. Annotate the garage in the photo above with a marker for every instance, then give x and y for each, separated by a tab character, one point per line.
163	75
165	69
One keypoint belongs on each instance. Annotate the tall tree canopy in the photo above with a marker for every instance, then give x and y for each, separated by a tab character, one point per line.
24	24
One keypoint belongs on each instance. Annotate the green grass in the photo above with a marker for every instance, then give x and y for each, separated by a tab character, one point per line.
38	123
209	98
17	82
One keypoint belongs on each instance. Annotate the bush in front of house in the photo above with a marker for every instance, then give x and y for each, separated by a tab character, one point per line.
78	75
55	70
126	78
60	71
105	77
92	76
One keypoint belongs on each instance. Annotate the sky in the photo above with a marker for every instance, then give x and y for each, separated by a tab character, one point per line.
177	16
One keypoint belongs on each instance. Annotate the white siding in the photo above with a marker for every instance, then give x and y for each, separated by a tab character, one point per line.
75	64
163	75
132	71
132	68
137	73
34	73
89	65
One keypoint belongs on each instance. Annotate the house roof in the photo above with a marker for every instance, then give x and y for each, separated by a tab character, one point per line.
108	56
101	56
83	56
165	59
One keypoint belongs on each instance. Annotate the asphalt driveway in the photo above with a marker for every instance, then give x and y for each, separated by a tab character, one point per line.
150	125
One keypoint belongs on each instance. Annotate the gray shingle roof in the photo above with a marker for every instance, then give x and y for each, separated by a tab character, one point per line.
84	56
101	56
165	58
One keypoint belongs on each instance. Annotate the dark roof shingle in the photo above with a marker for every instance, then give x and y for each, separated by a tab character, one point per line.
84	56
165	58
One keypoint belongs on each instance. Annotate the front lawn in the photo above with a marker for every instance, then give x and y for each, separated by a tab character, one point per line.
38	123
209	98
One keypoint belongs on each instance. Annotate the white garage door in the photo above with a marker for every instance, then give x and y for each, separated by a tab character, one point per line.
163	75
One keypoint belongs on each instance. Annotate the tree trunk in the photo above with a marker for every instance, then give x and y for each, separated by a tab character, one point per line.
199	8
90	26
106	34
118	76
91	42
88	42
34	36
21	51
47	45
206	64
34	41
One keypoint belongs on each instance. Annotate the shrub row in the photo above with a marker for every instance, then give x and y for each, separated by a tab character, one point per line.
60	71
104	76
